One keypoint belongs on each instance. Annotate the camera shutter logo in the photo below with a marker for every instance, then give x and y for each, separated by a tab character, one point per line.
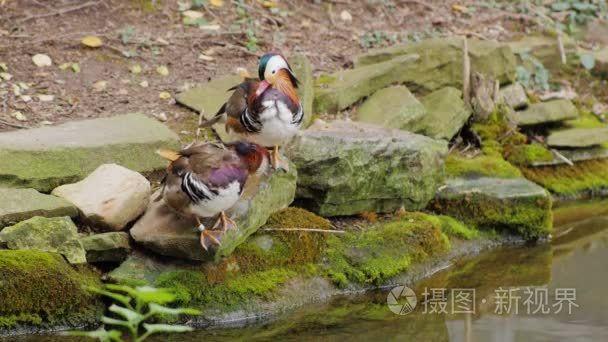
401	300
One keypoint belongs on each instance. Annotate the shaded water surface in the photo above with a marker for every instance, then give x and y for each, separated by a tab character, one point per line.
574	263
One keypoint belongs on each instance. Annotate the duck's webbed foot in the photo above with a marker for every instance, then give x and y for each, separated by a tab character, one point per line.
226	222
209	237
277	162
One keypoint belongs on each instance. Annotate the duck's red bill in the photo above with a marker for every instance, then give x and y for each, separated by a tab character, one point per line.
262	87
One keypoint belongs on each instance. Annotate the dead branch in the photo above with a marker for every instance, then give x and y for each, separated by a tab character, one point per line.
313	230
466	72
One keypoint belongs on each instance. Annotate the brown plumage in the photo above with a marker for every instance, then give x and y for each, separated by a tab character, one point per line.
206	179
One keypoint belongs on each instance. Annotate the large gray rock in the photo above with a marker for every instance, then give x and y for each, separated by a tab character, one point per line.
106	247
514	96
44	158
516	205
160	229
346	168
446	114
343	88
21	204
58	234
578	137
392	107
546	112
110	197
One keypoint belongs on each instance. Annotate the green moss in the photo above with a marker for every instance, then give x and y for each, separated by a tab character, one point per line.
530	217
455	228
586	176
193	288
585	120
40	288
527	154
484	165
384	251
297	218
324	79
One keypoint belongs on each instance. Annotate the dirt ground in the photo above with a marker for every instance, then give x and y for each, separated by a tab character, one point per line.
151	33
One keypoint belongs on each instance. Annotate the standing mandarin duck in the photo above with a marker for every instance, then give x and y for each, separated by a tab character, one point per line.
205	180
265	111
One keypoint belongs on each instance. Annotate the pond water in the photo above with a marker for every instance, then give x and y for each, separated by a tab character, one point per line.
521	294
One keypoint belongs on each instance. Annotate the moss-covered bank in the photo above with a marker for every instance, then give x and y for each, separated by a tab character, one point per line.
41	290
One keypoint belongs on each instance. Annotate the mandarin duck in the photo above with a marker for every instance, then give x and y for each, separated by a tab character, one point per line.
265	111
206	179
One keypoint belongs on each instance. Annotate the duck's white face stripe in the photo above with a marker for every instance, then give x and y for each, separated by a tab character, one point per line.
275	63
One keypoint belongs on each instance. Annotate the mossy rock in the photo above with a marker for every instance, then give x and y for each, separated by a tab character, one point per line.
57	234
546	112
515	205
384	250
544	48
40	290
530	154
446	114
578	137
584	178
482	165
106	247
44	158
392	107
21	204
346	168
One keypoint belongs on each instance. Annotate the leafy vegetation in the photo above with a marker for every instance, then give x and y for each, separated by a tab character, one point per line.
136	306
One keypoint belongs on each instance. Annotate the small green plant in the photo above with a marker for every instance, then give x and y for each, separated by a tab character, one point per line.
252	41
377	39
538	78
133	307
126	34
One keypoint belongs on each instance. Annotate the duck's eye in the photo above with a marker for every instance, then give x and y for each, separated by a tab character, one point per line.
274	71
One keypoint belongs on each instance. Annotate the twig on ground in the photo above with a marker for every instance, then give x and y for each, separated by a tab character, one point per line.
560	45
466	72
314	230
14	125
60	12
562	157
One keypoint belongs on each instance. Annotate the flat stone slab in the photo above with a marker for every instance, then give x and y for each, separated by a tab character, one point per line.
446	114
514	95
110	197
21	204
346	168
546	112
578	137
44	158
544	48
163	231
391	107
57	234
106	247
576	155
514	204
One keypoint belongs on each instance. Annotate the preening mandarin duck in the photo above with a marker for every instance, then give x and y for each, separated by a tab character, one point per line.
265	111
207	179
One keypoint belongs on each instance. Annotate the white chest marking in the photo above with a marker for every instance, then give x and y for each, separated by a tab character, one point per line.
224	200
278	125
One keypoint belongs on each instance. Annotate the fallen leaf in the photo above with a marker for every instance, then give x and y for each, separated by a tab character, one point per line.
205	57
210	27
64	66
23	85
5	76
16	90
42	60
216	3
269	3
209	51
3	67
45	98
91	41
76	67
164	95
46	123
192	14
136	69
19	116
26	98
100	86
305	23
459	8
346	16
143	84
160	116
184	6
162	70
